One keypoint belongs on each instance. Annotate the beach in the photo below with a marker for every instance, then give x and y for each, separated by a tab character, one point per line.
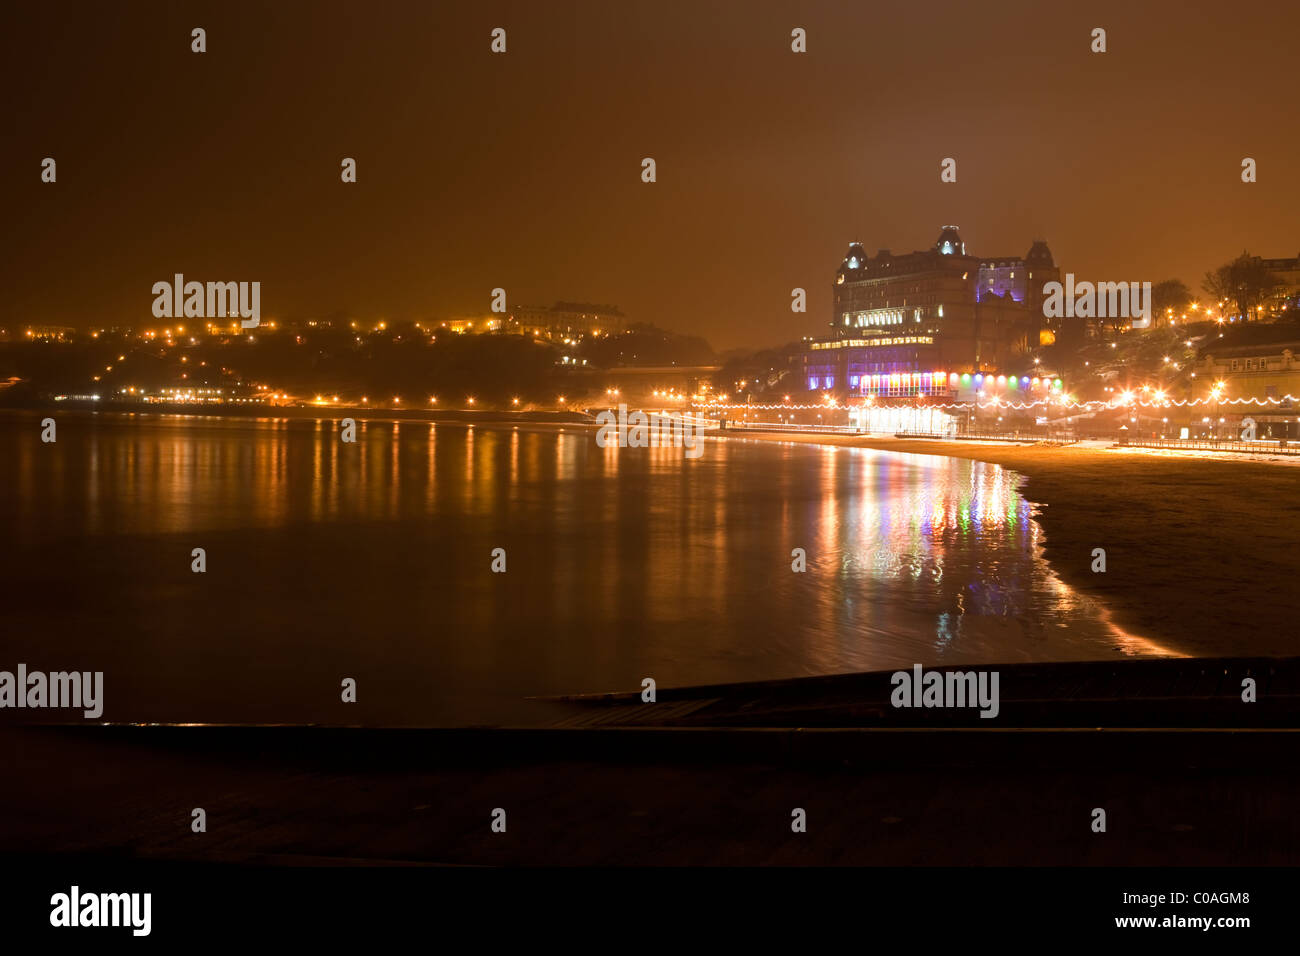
1197	549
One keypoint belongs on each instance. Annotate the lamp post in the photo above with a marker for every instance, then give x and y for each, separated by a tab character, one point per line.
1216	393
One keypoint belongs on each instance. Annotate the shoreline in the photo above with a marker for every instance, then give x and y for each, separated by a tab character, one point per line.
1206	571
486	416
1196	560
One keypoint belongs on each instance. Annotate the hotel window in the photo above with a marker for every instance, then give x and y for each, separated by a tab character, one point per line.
1250	365
1234	365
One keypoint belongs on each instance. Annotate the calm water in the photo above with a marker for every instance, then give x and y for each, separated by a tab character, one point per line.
372	561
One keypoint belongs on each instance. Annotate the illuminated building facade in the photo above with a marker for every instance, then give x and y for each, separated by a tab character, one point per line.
50	333
569	322
1286	272
914	324
1255	369
573	320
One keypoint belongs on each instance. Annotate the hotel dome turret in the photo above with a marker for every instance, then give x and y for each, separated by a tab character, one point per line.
949	242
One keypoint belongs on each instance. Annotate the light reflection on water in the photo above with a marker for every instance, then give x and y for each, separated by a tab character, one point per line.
372	561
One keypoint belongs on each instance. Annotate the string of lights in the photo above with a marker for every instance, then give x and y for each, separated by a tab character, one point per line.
1019	406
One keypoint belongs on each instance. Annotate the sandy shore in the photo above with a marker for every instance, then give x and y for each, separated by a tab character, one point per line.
1202	555
317	796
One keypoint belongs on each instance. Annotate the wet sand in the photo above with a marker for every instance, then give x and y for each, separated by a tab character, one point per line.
1201	554
315	796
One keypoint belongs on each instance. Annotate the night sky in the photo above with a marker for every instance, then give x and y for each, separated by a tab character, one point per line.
523	170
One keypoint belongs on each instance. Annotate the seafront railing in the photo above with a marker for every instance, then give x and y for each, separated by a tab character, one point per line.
961	435
890	433
1235	445
1043	437
787	427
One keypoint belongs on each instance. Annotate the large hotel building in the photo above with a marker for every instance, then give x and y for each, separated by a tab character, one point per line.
936	322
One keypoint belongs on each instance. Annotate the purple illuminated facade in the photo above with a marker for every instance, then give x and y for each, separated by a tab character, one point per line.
938	310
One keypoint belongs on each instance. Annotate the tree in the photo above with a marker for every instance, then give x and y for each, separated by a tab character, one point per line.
645	344
1115	323
1244	282
1169	294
